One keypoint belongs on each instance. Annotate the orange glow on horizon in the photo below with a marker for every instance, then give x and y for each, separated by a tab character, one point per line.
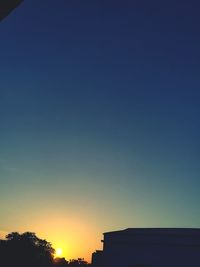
71	238
58	252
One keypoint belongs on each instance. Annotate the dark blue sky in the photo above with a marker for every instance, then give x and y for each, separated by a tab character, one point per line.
101	97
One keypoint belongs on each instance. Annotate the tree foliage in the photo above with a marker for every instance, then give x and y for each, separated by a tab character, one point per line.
27	250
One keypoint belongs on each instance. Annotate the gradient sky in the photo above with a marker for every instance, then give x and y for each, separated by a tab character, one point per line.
99	119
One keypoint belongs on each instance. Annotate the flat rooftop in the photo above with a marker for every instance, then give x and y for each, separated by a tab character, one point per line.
157	231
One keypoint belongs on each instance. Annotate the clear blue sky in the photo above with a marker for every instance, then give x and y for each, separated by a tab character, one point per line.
99	114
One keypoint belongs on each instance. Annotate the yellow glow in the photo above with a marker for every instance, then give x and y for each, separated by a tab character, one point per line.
58	252
75	235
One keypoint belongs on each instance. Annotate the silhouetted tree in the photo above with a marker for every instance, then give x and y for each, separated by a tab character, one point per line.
78	263
26	250
60	262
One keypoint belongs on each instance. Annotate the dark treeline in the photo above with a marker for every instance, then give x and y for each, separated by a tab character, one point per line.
27	250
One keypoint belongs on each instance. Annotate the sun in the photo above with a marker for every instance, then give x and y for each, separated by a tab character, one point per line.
58	252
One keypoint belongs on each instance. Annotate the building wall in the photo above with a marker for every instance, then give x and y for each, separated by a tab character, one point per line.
129	248
155	256
97	258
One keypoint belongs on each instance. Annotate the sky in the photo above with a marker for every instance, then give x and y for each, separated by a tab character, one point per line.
99	119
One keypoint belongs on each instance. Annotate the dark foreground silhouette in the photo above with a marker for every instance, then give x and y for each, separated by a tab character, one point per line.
6	6
27	250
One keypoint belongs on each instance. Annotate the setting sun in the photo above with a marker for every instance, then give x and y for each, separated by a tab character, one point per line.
58	252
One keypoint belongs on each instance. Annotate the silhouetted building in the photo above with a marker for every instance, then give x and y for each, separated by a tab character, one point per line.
149	247
6	6
97	258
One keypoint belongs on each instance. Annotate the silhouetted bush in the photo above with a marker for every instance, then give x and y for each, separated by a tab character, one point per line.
77	263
